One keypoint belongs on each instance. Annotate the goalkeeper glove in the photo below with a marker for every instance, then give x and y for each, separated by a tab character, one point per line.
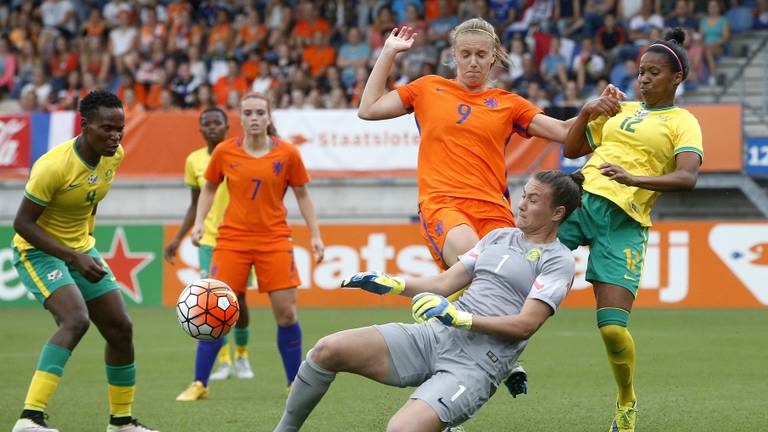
375	282
427	306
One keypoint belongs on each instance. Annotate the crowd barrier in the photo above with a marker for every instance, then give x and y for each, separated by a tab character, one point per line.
333	143
689	264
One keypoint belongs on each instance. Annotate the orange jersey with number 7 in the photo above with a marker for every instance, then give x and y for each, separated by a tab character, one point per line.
256	216
464	137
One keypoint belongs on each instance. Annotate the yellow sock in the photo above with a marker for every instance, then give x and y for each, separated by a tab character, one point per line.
121	400
41	389
620	348
241	351
224	357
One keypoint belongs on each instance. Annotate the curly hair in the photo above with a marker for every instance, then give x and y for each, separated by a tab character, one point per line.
96	99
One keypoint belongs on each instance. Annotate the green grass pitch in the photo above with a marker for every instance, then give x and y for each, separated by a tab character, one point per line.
698	370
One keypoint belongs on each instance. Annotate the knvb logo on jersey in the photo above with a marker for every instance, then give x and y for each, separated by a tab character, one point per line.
9	142
491	103
277	167
744	249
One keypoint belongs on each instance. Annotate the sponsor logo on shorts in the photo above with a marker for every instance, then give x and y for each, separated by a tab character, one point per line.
54	275
493	357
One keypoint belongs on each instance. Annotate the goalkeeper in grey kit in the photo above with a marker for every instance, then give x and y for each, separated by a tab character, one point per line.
458	353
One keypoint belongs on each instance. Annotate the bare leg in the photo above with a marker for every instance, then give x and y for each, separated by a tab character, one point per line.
415	416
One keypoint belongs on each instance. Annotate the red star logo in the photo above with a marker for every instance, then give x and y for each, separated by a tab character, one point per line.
126	265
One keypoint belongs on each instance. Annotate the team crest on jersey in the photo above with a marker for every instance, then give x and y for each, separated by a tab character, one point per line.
533	255
641	113
663	118
108	175
93	178
277	167
491	103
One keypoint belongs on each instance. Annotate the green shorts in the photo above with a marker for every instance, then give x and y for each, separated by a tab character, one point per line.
42	274
616	241
204	257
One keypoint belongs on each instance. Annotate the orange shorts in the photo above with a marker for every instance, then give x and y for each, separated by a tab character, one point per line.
275	270
438	214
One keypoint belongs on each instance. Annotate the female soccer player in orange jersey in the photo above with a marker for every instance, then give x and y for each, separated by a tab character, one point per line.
259	168
465	126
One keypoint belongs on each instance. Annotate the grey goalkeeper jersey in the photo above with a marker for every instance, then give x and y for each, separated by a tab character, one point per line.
507	270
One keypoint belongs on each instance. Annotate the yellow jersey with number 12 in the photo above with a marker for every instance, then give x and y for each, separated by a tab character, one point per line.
69	188
644	142
194	168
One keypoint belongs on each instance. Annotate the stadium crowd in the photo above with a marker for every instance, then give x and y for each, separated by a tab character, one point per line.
177	54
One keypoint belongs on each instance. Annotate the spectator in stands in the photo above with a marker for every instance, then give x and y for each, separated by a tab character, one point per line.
232	81
61	61
152	100
204	97
414	59
28	101
588	64
353	54
94	26
123	38
517	49
264	81
39	85
151	30
94	58
530	74
379	30
68	97
251	65
58	17
221	32
251	33
130	104
414	20
183	33
184	85
592	15
305	29
571	97
537	96
610	36
298	99
641	24
565	16
26	62
761	15
7	67
682	16
319	55
336	99
440	28
127	81
166	100
554	67
740	17
623	76
715	33
197	66
112	10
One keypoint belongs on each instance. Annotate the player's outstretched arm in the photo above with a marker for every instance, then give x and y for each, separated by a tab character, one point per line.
204	204
307	209
189	219
682	179
515	327
376	103
444	283
25	224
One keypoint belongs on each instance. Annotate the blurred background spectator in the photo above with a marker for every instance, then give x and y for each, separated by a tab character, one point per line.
180	54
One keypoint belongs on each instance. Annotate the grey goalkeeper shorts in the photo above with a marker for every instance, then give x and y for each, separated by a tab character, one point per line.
427	357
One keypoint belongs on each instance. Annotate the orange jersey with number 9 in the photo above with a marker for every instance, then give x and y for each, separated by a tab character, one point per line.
256	216
464	137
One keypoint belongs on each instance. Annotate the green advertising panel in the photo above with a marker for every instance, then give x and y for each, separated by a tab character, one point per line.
133	252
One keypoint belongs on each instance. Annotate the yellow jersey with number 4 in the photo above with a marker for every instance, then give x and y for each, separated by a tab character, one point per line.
69	188
644	142
194	168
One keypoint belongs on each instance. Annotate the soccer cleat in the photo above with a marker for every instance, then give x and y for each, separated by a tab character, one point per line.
195	391
458	428
517	382
625	418
133	426
32	425
243	368
223	372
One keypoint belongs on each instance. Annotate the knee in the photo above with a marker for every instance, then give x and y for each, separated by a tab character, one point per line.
121	332
327	353
286	316
612	333
77	324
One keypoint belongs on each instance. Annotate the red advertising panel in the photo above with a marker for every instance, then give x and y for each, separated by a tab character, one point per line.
14	143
